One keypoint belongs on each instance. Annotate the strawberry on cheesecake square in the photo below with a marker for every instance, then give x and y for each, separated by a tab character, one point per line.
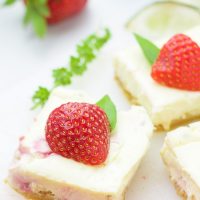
168	84
180	154
71	154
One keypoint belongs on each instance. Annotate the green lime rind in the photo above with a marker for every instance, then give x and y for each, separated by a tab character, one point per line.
163	19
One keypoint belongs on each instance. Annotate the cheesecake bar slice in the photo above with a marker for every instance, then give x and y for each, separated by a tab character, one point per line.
166	106
38	173
180	154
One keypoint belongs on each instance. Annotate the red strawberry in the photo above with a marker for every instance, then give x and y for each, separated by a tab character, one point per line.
79	131
61	9
178	64
39	13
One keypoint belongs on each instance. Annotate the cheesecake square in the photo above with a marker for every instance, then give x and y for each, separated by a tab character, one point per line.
180	154
39	174
166	106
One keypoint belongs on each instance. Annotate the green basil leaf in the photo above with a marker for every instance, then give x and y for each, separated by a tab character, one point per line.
109	107
150	50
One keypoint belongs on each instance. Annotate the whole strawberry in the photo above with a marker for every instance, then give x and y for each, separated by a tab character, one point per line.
79	131
61	9
178	64
41	12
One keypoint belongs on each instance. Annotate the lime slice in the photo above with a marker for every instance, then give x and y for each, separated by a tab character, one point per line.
164	19
190	2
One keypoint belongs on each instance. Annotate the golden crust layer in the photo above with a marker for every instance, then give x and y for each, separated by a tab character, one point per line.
48	195
180	191
42	195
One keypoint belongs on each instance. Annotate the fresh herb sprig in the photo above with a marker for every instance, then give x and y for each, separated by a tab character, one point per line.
86	52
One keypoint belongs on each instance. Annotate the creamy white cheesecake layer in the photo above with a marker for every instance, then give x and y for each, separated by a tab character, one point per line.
164	105
55	173
180	153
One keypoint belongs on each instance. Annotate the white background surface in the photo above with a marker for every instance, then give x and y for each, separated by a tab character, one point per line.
26	62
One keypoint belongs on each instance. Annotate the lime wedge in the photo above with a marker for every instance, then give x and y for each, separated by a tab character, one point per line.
164	19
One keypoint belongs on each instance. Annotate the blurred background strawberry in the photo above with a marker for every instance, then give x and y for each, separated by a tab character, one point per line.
61	9
42	12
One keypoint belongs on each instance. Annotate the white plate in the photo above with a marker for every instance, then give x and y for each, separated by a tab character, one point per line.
26	62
